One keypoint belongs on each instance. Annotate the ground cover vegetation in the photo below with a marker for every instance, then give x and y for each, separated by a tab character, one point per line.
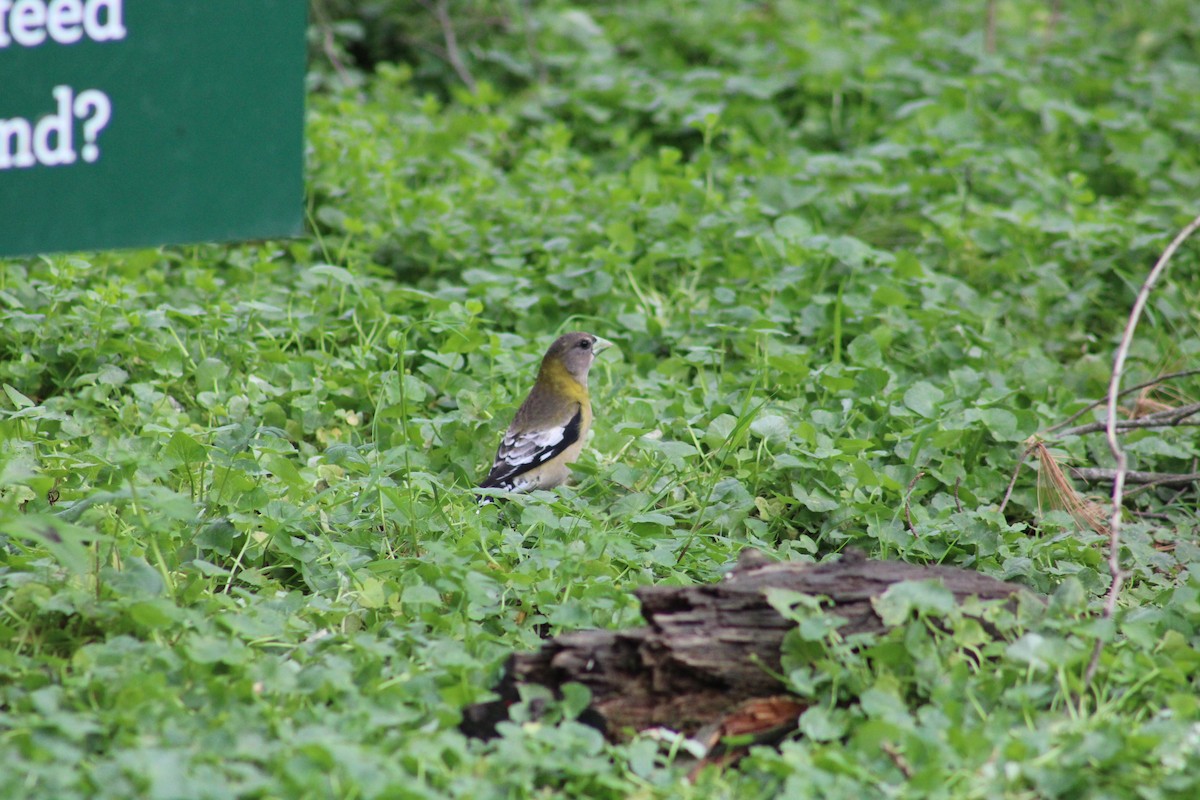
852	255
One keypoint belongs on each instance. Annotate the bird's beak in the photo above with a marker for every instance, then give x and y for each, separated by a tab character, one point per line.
601	345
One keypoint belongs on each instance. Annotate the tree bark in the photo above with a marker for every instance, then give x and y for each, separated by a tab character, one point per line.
708	649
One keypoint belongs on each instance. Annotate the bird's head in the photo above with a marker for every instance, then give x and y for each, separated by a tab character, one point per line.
575	353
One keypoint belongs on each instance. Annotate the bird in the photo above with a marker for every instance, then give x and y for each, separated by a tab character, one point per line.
550	427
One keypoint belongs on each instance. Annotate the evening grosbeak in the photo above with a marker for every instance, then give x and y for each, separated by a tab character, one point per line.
551	425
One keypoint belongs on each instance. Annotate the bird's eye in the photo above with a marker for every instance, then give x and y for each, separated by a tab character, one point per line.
585	345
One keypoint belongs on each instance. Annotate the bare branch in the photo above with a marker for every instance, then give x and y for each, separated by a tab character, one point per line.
328	45
1016	471
1131	424
1114	391
1133	476
1173	414
441	10
1179	492
1160	379
1172	418
907	495
892	752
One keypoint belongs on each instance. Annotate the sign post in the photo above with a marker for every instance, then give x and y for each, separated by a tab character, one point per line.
147	122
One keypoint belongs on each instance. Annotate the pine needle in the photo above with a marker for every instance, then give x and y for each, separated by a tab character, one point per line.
1060	493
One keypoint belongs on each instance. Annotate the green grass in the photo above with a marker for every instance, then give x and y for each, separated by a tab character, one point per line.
838	247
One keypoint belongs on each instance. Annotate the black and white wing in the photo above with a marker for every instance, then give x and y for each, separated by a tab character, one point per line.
523	452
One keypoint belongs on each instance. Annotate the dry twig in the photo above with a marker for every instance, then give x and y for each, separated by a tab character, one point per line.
441	11
1171	418
1179	492
1147	479
1030	445
907	495
897	758
327	43
1114	392
1145	384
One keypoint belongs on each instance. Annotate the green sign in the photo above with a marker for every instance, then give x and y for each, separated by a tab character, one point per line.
149	122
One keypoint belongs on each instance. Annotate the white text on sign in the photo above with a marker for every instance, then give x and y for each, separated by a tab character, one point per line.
29	23
51	140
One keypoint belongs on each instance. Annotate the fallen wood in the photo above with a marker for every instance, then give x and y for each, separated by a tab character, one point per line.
708	649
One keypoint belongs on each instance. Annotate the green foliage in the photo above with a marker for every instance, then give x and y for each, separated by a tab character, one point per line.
851	260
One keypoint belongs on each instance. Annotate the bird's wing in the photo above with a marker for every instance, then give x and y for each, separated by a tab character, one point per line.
522	451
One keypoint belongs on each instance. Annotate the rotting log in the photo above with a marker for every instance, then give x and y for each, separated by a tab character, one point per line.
707	650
